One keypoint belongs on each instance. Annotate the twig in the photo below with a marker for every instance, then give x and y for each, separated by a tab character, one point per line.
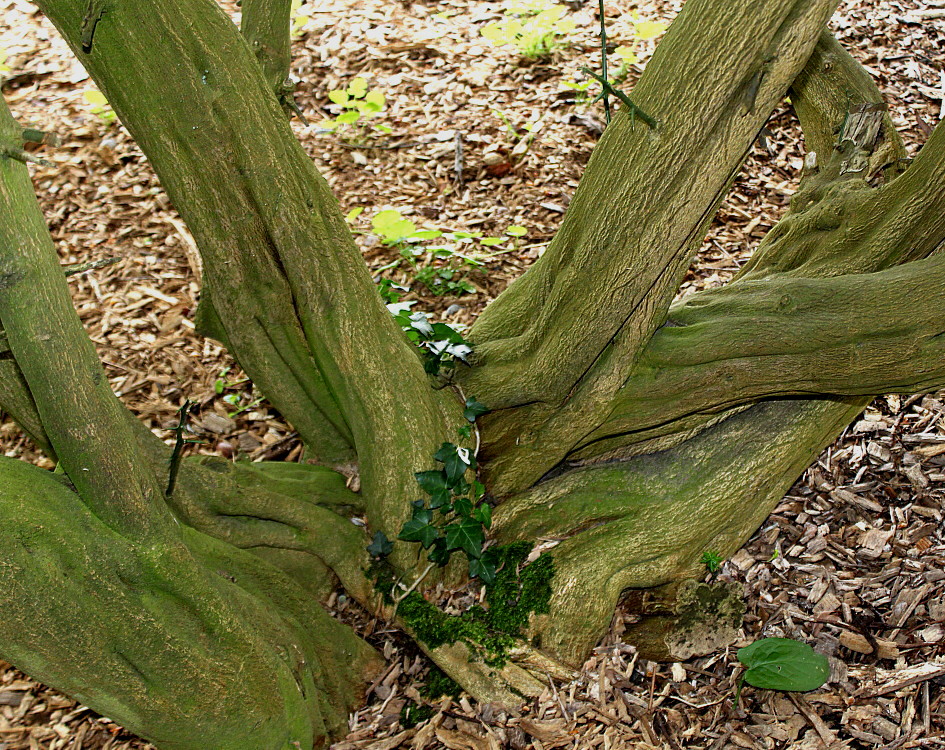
458	160
32	135
19	154
406	593
90	266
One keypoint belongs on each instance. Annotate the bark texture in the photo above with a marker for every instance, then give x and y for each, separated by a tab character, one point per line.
661	431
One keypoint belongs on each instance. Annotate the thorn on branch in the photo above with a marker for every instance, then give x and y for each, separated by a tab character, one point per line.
179	443
609	88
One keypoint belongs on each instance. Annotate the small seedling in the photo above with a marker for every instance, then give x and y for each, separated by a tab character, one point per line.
533	28
358	107
98	105
4	68
221	384
782	664
712	560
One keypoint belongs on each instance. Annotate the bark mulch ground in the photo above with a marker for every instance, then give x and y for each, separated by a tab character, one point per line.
481	140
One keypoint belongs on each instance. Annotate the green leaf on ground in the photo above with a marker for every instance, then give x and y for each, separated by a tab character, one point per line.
783	664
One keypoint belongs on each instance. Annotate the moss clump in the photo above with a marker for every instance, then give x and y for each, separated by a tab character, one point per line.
512	597
412	714
517	592
438	684
436	628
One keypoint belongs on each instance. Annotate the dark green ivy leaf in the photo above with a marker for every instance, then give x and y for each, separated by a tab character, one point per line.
462	506
419	529
466	535
440	554
431	481
783	664
381	546
455	462
474	409
482	569
444	332
483	514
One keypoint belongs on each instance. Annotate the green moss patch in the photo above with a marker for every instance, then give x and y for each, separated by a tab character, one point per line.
516	592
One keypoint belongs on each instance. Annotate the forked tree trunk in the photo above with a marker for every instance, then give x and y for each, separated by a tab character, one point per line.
656	432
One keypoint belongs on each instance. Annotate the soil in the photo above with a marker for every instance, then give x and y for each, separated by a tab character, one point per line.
482	140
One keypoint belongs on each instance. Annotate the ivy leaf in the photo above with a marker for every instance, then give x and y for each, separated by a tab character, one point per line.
483	514
474	409
466	535
380	546
483	569
479	489
455	462
432	364
460	352
445	332
439	554
783	664
462	506
465	431
419	529
434	484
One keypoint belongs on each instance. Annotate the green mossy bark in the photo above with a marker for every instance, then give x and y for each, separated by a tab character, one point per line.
287	283
183	637
191	645
266	26
559	342
689	467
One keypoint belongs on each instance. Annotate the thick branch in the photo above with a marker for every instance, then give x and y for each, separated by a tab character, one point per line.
192	647
571	328
831	84
266	27
287	281
646	522
645	199
17	401
854	335
83	420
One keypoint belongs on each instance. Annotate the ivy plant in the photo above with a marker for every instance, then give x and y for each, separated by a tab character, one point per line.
452	516
441	344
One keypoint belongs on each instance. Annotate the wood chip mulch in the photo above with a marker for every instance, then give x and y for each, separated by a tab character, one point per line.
852	559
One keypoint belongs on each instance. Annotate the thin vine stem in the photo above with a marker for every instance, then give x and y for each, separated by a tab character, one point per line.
603	58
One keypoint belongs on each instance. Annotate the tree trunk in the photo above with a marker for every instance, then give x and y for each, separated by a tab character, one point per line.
663	431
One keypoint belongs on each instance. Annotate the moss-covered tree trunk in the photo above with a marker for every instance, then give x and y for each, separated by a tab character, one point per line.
656	432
